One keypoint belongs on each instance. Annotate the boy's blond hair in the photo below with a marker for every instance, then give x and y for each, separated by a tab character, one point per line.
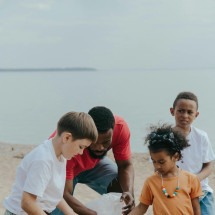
79	124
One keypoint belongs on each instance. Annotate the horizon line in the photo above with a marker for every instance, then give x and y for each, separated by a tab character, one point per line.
50	69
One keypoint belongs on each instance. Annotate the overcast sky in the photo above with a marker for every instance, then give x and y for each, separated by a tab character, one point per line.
107	34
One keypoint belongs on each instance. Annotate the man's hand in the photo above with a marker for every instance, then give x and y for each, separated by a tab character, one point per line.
129	201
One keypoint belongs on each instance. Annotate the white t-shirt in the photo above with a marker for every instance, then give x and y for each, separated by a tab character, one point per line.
199	152
39	173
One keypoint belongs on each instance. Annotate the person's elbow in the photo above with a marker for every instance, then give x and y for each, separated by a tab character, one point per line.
24	204
124	164
27	201
208	168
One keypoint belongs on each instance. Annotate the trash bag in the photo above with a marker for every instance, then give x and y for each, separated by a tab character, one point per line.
107	204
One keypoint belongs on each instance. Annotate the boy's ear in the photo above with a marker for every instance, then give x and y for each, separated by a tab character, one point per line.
66	136
171	111
197	113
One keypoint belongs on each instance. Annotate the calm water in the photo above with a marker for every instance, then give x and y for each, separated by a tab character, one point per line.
32	102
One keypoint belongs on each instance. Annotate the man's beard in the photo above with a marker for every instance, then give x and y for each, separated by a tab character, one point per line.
93	155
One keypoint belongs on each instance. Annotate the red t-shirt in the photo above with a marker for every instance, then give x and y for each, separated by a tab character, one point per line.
120	146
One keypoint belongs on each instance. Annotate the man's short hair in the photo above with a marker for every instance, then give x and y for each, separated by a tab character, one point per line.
103	118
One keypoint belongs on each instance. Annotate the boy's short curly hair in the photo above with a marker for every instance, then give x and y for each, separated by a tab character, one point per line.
186	95
163	137
103	118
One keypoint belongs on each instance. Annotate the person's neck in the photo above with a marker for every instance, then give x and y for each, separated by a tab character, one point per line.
184	131
173	173
57	146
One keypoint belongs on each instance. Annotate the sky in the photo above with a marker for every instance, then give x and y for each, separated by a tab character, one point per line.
107	34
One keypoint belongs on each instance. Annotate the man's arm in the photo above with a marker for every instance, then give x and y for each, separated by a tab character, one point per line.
196	206
126	175
74	203
126	180
206	170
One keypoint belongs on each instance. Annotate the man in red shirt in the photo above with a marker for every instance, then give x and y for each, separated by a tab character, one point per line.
96	170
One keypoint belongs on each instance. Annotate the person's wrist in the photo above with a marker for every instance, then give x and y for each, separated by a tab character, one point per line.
92	212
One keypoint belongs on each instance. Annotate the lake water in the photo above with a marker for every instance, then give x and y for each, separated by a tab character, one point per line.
32	102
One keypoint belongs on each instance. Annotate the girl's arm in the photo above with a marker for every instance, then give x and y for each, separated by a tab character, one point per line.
65	208
29	204
139	209
196	206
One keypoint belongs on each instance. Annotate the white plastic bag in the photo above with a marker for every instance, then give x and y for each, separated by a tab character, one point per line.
107	204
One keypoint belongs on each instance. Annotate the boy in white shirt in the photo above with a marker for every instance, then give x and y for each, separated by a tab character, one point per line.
40	177
199	156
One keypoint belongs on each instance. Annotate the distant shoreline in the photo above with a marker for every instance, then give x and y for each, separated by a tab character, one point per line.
47	69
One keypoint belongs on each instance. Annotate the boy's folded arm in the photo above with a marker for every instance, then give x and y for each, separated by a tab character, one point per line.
206	170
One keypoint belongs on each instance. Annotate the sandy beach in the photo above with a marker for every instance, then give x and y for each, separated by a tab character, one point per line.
11	155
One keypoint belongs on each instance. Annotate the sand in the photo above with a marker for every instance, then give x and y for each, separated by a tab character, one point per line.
11	155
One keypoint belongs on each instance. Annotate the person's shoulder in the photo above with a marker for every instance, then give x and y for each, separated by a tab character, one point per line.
40	150
198	131
188	174
121	128
119	119
152	177
42	155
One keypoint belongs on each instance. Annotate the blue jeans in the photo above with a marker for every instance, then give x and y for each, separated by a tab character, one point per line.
207	204
97	178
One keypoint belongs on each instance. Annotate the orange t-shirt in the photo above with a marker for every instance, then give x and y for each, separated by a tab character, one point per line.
120	146
152	194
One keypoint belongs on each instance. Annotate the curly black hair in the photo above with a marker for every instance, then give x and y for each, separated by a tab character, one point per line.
186	95
163	137
103	118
